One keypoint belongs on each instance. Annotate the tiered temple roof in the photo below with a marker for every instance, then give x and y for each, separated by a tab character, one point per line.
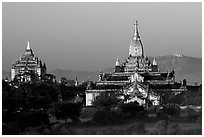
28	63
137	77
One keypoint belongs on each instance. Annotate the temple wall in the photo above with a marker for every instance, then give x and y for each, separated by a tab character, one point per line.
90	97
12	74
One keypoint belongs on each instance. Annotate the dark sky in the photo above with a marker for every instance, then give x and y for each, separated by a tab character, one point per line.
90	36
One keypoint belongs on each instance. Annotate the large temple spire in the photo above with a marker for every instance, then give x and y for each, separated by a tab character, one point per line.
136	47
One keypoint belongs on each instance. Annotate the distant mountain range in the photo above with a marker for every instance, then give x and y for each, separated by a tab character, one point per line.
186	67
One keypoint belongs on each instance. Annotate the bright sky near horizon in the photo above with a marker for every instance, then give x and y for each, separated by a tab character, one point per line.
90	36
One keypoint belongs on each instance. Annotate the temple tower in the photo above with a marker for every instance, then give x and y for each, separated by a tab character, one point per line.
136	47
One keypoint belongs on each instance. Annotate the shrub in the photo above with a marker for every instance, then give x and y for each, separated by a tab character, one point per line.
7	116
169	110
160	114
32	119
172	110
161	127
173	129
108	117
196	131
25	119
153	109
131	109
35	130
64	110
192	115
199	121
11	129
136	129
106	101
87	112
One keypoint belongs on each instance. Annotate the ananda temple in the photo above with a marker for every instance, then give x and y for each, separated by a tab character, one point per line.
136	79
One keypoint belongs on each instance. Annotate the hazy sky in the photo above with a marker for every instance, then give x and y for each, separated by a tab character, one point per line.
90	36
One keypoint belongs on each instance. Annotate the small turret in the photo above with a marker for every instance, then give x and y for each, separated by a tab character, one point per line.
117	63
154	61
154	66
76	81
117	66
100	75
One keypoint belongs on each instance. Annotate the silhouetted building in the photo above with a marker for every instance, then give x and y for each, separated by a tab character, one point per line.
28	67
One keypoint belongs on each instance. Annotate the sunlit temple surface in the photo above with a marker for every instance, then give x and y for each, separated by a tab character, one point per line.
137	78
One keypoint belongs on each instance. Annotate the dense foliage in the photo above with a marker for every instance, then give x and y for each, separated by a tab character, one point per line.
168	111
27	104
108	117
133	109
190	97
31	106
106	101
29	96
64	110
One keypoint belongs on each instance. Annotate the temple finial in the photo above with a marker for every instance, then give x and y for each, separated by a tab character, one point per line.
28	45
136	28
136	33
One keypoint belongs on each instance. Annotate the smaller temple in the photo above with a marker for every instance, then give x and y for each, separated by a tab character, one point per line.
28	67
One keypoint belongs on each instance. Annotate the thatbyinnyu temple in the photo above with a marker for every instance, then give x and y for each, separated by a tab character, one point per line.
28	67
137	78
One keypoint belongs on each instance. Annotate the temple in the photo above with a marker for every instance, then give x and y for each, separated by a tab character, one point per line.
28	67
136	79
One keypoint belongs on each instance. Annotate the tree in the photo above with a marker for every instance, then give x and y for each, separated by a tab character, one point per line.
132	109
106	101
67	93
169	110
9	100
64	110
194	96
42	95
70	82
176	99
